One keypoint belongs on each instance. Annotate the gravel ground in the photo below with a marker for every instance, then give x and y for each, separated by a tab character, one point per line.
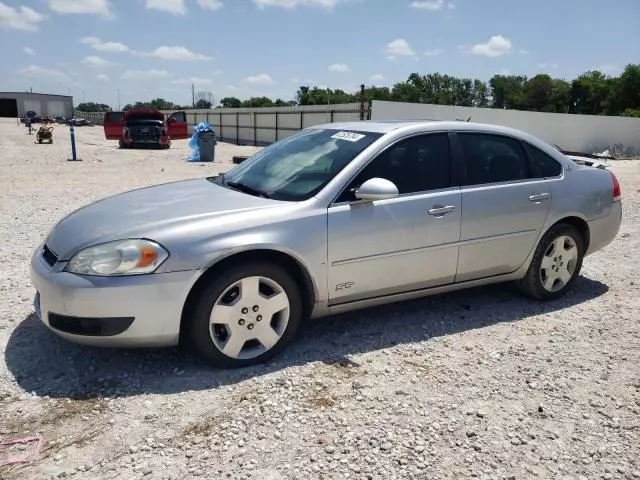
481	383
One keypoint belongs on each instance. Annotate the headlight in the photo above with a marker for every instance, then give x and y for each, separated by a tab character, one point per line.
123	257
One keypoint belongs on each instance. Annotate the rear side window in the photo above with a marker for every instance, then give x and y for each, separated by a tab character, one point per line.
493	158
542	164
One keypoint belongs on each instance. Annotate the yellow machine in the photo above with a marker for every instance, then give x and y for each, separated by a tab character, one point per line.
45	132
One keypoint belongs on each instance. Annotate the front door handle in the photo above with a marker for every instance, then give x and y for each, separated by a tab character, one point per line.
538	197
441	210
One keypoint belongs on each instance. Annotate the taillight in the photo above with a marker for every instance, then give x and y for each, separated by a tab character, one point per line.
617	194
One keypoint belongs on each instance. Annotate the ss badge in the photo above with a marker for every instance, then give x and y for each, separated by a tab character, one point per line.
344	286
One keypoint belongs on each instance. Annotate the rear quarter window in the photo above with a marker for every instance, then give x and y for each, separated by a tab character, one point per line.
542	165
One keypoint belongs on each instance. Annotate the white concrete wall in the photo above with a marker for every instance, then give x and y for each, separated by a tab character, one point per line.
587	133
289	120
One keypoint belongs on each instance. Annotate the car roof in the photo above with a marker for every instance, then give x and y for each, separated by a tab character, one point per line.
377	126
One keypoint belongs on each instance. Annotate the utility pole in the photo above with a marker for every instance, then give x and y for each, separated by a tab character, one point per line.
362	102
193	95
118	99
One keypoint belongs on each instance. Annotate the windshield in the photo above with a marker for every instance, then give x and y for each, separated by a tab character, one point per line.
299	166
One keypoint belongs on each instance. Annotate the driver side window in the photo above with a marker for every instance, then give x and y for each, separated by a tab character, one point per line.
179	117
417	164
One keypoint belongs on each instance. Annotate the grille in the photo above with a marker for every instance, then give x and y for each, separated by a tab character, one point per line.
145	134
49	257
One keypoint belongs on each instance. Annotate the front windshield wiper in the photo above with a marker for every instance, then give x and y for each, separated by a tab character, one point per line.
246	188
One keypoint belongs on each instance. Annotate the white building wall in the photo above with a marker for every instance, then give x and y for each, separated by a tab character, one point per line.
586	133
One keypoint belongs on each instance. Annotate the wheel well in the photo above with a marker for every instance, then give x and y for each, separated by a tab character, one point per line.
292	266
581	226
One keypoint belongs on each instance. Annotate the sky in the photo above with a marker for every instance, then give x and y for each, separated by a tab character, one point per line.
122	51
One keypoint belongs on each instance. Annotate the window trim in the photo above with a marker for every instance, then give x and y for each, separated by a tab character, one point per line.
531	164
454	174
463	167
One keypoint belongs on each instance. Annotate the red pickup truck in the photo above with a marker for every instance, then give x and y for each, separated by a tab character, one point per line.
145	126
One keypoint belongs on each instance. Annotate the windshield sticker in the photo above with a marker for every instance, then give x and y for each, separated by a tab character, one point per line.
349	136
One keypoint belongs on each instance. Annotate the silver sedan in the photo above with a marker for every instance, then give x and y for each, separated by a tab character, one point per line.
333	218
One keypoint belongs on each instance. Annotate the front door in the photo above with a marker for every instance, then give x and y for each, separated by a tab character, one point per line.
113	125
177	126
505	202
400	244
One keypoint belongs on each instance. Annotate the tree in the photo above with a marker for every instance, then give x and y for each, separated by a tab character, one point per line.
231	102
507	91
203	104
93	107
591	93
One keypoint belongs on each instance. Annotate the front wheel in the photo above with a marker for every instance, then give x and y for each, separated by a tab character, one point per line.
556	263
246	315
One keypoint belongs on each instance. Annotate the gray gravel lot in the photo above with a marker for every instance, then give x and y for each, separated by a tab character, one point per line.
481	383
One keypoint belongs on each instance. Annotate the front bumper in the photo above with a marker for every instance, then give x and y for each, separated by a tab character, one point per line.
100	305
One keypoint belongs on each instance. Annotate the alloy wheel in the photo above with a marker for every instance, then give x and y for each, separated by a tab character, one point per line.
249	318
559	263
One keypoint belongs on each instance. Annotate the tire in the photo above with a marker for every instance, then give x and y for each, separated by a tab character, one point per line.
555	265
121	144
257	339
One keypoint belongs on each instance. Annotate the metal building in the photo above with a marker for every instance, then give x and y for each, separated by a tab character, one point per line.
15	104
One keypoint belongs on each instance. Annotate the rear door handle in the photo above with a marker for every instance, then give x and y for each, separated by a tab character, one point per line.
441	210
538	197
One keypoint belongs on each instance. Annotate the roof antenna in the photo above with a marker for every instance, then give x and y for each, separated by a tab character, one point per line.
468	119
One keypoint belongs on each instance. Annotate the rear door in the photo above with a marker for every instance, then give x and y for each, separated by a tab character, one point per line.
177	126
506	198
113	124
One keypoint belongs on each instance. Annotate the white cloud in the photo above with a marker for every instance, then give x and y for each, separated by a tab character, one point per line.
111	47
35	71
177	7
102	77
339	68
495	47
295	80
95	7
192	80
210	4
262	79
96	62
174	53
399	48
451	5
231	88
291	4
144	74
523	51
433	6
29	51
550	66
23	19
433	52
376	78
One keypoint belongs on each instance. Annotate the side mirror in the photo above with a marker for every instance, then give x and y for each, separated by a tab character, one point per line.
376	189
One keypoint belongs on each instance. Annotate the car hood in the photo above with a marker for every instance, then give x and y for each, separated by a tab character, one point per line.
144	212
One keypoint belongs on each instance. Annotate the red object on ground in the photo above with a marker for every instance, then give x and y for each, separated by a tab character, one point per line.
28	455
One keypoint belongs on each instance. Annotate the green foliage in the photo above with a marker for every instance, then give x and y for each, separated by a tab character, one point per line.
592	93
93	107
203	104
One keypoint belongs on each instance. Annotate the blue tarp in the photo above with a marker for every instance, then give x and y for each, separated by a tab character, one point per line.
193	143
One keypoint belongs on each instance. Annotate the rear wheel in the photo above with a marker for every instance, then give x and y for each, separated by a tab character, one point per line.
556	263
246	315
